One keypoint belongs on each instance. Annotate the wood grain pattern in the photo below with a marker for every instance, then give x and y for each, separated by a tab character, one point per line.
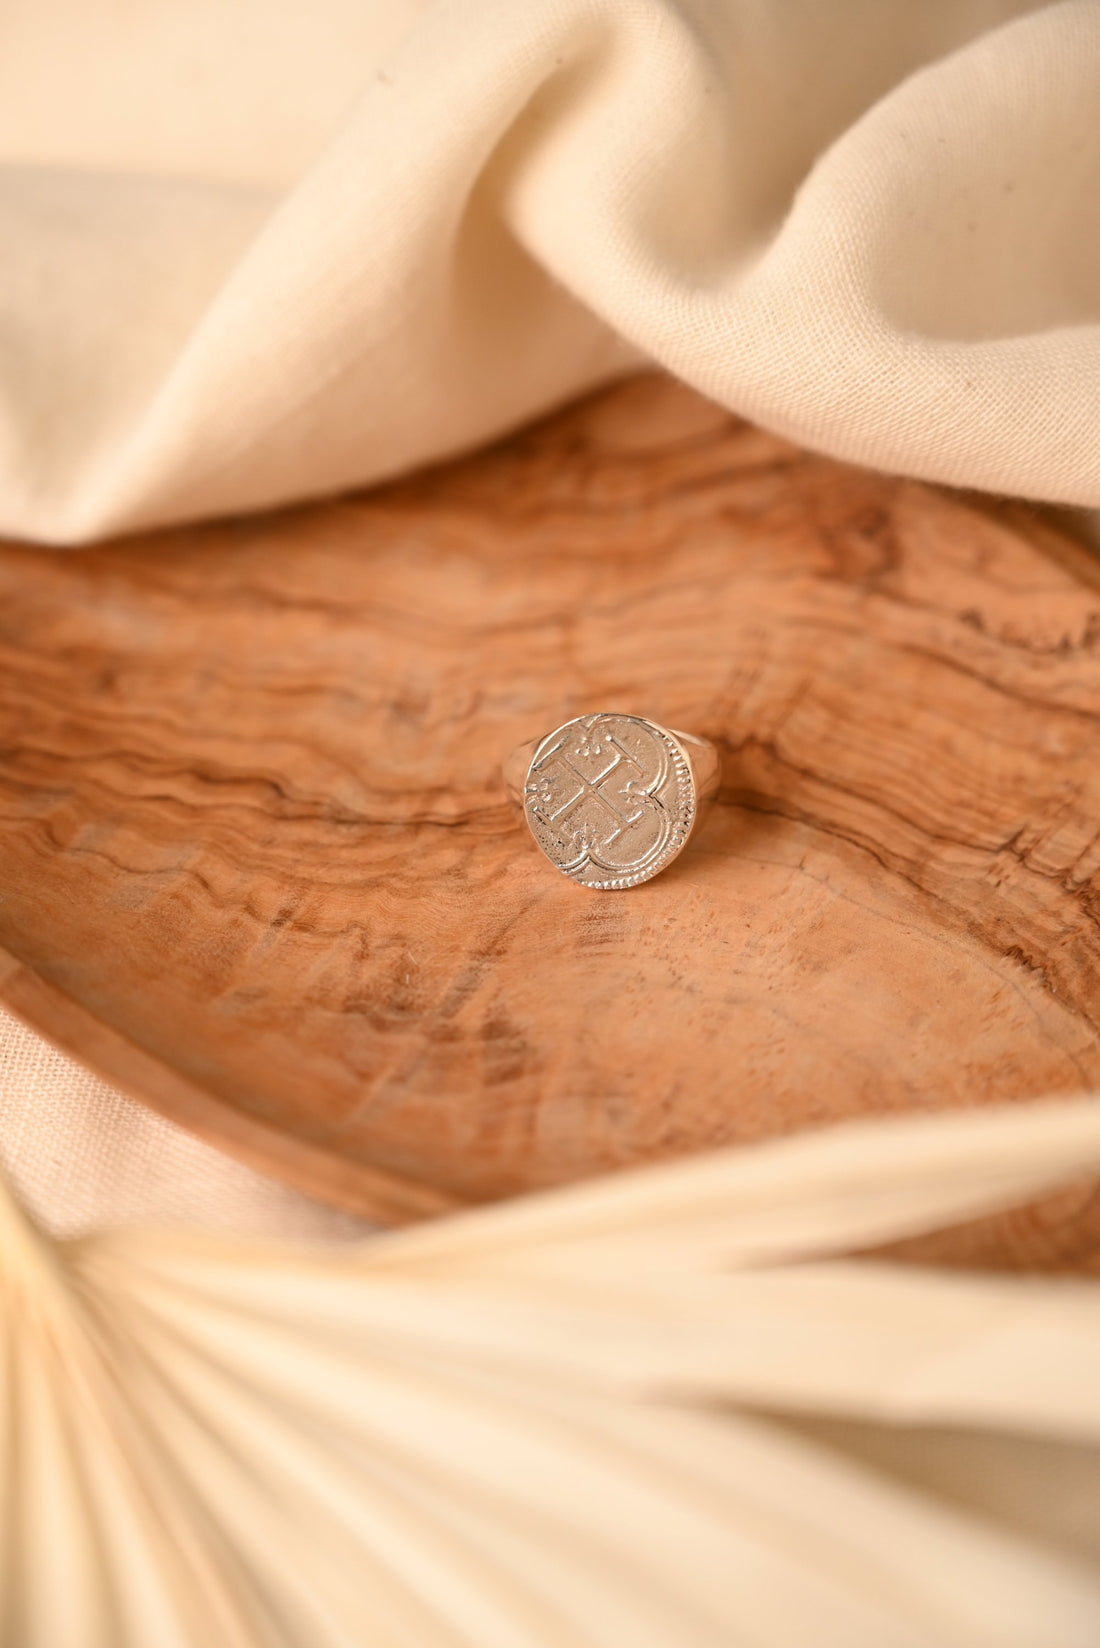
256	864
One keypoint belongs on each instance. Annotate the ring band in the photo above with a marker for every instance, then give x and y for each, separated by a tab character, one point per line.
611	798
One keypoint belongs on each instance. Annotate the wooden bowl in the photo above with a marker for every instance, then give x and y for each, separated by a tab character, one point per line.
257	867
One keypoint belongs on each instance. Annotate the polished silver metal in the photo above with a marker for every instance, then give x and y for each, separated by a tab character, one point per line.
612	798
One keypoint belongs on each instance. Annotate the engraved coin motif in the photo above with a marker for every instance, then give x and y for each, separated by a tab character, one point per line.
610	799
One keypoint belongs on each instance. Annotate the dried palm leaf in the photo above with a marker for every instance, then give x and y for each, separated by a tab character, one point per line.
597	1418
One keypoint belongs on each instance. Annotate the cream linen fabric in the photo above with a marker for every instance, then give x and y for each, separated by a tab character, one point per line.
255	251
81	1157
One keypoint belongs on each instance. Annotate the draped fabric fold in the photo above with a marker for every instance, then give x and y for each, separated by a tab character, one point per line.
619	1413
248	260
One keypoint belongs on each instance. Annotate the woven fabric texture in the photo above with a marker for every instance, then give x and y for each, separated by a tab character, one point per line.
253	253
83	1157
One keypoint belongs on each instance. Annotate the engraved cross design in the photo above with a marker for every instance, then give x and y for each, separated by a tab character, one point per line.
542	791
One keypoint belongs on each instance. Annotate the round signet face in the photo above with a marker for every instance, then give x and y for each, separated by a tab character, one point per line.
610	799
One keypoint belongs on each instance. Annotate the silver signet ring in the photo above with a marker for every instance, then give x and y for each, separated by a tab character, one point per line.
611	798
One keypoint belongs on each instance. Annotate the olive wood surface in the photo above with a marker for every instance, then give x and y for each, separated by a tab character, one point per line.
258	869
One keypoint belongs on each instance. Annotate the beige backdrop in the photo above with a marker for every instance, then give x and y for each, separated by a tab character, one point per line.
256	249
